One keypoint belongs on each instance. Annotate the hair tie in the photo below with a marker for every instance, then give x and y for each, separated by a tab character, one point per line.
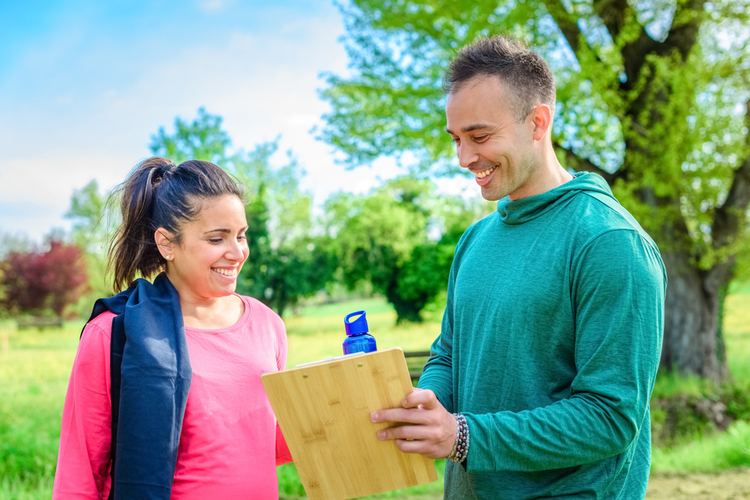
158	173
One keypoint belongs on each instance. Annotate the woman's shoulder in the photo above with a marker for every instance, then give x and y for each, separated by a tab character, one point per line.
101	324
94	345
257	307
259	311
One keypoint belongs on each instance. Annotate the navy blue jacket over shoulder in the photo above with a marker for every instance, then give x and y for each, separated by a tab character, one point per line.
151	374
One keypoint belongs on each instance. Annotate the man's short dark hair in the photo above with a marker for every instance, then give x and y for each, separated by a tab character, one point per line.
524	72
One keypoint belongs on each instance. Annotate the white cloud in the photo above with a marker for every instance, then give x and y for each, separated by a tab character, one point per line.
67	130
211	5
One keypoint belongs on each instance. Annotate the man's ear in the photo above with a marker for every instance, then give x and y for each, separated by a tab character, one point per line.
164	243
541	117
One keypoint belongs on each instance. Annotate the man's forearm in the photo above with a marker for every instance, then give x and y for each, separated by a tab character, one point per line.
438	377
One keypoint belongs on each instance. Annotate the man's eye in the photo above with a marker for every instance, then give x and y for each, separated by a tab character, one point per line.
480	138
456	140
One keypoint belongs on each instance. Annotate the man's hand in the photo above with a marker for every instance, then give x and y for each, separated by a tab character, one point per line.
430	430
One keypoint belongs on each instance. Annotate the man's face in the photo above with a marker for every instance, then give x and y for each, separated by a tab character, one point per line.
497	149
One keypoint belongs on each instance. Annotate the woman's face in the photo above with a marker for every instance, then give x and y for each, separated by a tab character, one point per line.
208	260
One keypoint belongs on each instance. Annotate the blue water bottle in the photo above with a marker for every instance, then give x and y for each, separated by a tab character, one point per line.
357	338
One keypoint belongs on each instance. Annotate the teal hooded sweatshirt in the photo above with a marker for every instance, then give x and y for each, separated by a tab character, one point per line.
549	347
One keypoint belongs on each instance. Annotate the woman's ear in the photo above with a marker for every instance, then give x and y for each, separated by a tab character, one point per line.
164	243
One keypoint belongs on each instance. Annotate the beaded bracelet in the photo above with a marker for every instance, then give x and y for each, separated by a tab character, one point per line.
461	446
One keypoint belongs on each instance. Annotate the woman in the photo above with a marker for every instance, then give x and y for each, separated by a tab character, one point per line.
165	399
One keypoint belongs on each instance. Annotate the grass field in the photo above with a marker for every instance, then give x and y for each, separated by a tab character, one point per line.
35	367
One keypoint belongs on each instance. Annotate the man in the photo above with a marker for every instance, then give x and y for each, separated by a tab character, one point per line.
552	332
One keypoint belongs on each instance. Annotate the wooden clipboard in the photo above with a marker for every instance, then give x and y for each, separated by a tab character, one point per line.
324	412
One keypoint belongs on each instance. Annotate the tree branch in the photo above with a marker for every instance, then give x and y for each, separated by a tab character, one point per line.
580	164
685	27
568	24
634	56
612	13
727	216
682	35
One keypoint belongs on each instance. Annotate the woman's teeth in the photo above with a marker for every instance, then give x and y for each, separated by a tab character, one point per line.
226	272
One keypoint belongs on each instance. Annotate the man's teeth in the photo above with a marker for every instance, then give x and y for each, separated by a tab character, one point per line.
485	173
226	272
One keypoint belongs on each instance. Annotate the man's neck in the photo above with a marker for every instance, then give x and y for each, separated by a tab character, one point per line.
548	175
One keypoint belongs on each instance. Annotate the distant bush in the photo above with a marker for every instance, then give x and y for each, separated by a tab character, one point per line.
691	414
36	281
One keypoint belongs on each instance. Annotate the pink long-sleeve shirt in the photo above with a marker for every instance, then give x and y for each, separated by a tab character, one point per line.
230	442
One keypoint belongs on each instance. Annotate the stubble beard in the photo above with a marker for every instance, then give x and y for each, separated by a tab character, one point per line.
513	176
504	181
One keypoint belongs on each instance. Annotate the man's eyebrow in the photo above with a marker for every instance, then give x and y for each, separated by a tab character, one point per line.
470	128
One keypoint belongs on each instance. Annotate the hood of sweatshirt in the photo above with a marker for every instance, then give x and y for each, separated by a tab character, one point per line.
526	209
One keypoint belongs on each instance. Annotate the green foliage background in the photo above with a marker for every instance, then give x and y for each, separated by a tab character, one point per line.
669	133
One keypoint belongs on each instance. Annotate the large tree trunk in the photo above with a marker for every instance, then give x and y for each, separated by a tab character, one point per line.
692	343
694	300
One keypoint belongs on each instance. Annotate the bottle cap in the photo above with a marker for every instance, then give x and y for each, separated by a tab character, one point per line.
359	325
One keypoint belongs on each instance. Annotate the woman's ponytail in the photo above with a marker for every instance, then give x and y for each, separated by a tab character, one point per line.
133	249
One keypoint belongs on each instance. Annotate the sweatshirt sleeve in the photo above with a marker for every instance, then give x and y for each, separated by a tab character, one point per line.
617	295
437	375
83	462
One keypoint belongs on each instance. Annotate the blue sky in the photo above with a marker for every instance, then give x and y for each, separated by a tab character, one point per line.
83	85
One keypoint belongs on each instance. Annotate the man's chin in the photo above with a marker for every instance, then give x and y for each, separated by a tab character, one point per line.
491	195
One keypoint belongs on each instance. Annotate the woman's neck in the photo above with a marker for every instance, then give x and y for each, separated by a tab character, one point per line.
212	313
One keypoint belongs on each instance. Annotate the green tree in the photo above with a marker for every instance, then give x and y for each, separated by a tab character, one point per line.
651	95
94	222
383	238
285	263
88	210
203	139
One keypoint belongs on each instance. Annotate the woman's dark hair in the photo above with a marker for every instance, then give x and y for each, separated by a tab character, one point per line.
158	193
525	73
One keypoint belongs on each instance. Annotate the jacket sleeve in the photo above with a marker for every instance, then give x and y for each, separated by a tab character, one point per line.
83	462
617	295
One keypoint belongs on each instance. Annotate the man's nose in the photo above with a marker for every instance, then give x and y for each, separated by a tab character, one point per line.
466	155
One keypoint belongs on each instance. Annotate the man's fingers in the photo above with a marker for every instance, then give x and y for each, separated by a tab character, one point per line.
429	429
424	397
421	447
404	432
413	411
399	415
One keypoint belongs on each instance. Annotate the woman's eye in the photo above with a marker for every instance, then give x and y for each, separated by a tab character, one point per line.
215	240
242	237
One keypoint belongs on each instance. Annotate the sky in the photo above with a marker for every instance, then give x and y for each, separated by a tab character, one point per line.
84	85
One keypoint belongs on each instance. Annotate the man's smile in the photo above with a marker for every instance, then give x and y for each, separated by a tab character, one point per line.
485	173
